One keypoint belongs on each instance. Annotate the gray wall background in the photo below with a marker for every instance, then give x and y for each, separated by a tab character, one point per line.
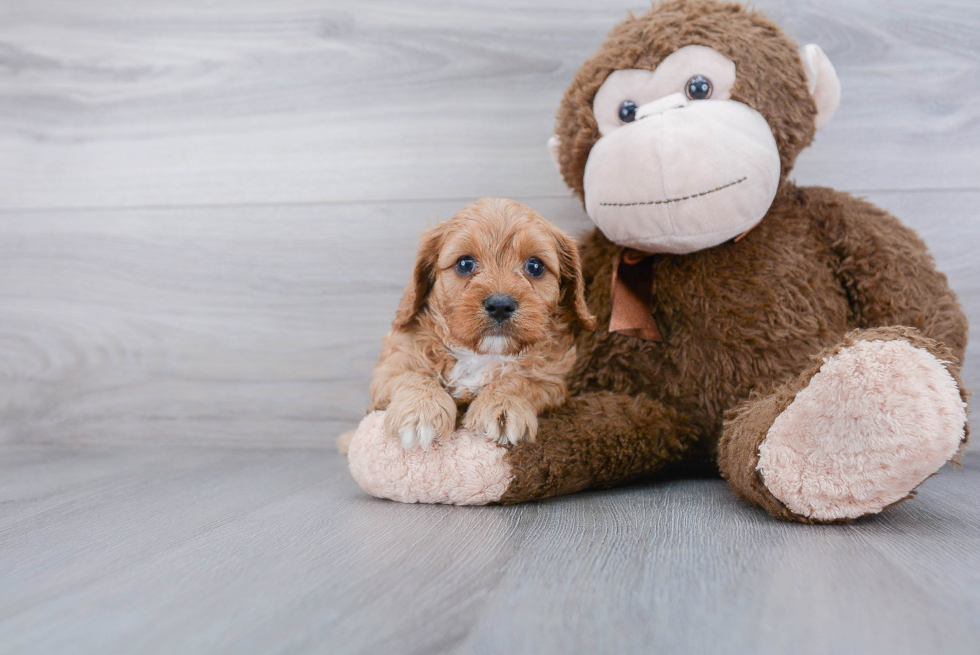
208	210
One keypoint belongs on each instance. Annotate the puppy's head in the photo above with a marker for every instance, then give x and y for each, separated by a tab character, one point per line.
499	276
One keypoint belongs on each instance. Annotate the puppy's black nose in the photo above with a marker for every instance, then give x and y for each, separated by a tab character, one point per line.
500	307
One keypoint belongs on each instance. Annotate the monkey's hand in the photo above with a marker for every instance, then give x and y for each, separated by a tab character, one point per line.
501	417
420	414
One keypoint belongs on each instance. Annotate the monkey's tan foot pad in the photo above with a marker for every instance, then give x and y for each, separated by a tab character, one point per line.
463	470
877	419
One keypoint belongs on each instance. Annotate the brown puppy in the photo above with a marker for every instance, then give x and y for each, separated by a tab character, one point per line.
483	324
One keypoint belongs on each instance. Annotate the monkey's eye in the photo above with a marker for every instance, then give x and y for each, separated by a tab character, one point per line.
465	265
627	111
698	88
534	266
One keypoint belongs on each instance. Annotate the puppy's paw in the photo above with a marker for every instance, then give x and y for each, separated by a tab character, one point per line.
500	418
419	416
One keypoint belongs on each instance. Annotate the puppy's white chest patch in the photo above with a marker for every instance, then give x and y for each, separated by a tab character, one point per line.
474	370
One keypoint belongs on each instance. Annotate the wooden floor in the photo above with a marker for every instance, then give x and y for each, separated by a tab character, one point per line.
238	550
207	214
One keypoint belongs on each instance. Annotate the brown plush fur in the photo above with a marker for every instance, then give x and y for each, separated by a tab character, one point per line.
739	319
770	76
741	322
442	317
746	426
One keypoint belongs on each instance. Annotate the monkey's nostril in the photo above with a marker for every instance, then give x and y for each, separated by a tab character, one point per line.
500	307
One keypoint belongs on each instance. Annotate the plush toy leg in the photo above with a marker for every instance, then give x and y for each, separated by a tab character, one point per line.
856	433
595	440
464	470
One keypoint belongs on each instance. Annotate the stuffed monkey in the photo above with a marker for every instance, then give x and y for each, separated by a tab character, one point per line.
795	339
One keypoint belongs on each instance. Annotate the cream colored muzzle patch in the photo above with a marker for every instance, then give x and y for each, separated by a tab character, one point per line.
685	176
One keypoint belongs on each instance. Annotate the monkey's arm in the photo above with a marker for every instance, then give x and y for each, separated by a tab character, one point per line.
886	270
597	440
594	440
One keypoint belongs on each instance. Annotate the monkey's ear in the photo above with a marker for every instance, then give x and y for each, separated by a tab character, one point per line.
553	143
572	284
821	79
430	243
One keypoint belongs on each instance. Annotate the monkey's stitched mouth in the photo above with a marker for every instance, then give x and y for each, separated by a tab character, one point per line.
667	201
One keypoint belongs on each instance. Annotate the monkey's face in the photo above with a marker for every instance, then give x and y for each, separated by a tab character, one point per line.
680	166
679	131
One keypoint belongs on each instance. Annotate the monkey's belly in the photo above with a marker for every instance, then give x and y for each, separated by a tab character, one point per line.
735	319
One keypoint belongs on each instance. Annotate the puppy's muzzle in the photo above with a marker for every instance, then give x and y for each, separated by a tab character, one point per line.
500	307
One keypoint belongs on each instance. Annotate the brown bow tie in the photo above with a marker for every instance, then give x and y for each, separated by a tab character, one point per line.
632	296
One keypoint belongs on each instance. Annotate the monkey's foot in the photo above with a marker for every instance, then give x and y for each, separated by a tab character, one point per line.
462	470
877	418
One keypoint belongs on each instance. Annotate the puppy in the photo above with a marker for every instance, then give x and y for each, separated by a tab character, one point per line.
483	328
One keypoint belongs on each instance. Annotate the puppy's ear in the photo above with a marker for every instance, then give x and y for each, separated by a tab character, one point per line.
430	243
572	284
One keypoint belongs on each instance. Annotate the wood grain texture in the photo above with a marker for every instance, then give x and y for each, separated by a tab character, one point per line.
253	325
191	550
141	104
208	212
249	325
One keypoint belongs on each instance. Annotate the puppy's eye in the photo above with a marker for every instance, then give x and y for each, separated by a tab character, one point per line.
465	265
627	111
534	267
698	88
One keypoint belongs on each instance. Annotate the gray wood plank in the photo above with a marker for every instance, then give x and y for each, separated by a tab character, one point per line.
256	175
253	325
236	550
141	104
